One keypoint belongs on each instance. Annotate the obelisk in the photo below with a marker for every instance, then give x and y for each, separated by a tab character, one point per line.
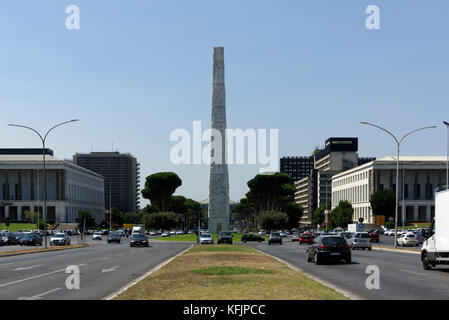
219	218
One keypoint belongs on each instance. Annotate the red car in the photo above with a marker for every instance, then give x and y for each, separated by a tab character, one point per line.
306	238
374	237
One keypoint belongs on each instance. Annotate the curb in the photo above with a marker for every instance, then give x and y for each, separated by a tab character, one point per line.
129	285
396	250
40	251
342	291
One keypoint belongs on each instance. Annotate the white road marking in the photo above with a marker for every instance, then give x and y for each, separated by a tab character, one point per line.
412	272
104	259
110	269
27	268
37	276
38	296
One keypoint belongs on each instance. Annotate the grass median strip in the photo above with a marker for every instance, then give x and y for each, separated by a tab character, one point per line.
236	237
227	272
35	250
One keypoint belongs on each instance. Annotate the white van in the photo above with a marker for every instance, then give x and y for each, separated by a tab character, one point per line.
435	249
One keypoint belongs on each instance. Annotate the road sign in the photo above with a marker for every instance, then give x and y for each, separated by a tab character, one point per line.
361	225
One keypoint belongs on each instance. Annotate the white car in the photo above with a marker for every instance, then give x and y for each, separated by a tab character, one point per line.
173	232
60	239
360	240
389	233
407	240
97	236
166	234
206	238
347	235
179	232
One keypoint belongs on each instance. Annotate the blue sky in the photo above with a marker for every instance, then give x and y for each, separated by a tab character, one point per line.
136	70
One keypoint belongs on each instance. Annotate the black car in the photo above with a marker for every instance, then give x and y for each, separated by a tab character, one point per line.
275	237
224	237
252	237
139	240
329	248
31	239
18	236
114	237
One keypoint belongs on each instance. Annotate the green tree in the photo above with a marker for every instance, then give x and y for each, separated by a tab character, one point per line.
273	220
383	202
243	213
32	216
270	192
150	208
89	221
117	217
318	215
193	208
294	212
161	220
341	216
159	187
132	217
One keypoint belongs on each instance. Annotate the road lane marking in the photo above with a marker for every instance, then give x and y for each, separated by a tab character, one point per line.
27	268
38	296
412	272
37	276
110	269
104	259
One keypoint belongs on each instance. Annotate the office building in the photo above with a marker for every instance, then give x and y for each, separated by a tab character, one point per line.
70	188
296	167
419	178
121	173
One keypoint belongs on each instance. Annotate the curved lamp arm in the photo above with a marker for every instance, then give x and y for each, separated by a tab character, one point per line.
20	126
59	124
407	134
370	124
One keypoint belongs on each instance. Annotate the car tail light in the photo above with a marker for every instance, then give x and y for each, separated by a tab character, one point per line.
322	247
355	240
405	239
346	246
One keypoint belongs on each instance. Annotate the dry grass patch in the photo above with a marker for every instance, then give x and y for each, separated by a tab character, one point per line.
227	272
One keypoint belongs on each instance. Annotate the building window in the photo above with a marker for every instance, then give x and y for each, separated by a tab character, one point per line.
416	191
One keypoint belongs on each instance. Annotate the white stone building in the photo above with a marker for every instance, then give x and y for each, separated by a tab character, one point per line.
419	177
70	188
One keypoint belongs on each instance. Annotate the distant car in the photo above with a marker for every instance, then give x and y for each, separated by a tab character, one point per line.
374	237
408	240
153	233
166	234
97	236
60	239
114	237
173	232
360	240
306	238
347	235
252	237
139	240
389	233
179	232
206	238
275	237
104	232
224	237
283	234
329	248
31	239
7	238
295	237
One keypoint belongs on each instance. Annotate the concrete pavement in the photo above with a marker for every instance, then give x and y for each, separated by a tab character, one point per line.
104	268
401	274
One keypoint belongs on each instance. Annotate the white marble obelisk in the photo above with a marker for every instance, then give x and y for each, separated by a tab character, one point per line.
219	217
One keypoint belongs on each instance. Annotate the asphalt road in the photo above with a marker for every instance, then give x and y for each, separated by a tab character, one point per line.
104	269
401	274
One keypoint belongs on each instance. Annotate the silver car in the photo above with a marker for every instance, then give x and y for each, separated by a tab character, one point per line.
60	239
206	238
360	240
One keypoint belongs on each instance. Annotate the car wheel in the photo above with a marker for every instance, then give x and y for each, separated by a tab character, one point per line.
369	248
269	242
317	260
348	260
244	241
425	262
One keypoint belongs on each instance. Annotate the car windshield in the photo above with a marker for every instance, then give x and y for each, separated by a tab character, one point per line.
225	234
59	235
97	233
112	234
333	240
206	235
362	235
275	234
139	236
410	236
306	236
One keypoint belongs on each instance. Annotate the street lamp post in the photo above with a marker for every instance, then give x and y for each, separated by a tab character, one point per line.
44	211
447	155
398	142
